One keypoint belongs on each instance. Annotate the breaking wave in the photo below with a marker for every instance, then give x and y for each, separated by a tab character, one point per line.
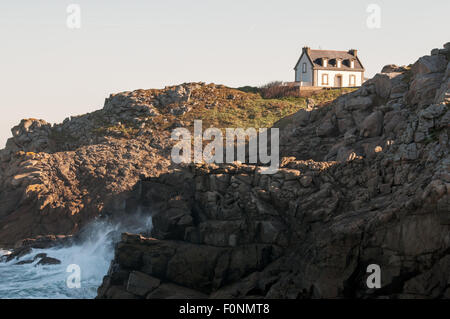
92	253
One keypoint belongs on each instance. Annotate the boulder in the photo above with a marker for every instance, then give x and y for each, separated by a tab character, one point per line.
430	64
383	84
359	102
326	128
434	51
394	122
372	125
141	284
47	241
48	261
39	256
175	95
31	135
128	105
310	104
423	88
18	253
392	68
302	117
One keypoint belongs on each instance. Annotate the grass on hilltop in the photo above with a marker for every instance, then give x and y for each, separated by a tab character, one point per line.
255	111
223	107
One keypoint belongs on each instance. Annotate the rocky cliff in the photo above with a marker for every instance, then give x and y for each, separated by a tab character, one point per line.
364	180
54	179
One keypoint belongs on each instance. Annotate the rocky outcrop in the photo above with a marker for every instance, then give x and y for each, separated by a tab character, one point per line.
54	179
45	261
59	193
363	180
31	134
23	251
367	183
308	231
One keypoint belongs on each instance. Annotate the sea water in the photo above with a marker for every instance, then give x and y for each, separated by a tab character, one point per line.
93	255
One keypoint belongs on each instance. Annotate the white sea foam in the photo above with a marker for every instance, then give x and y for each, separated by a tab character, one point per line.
93	255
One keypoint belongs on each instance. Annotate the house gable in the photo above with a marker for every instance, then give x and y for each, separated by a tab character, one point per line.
304	73
300	58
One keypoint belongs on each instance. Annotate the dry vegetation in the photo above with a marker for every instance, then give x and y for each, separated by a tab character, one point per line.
221	107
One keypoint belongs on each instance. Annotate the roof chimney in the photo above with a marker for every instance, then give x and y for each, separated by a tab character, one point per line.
306	49
353	52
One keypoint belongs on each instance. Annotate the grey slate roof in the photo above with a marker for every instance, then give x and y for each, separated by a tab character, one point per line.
315	57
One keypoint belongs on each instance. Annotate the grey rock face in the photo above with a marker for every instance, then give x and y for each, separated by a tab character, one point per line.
430	64
141	284
178	94
375	192
372	125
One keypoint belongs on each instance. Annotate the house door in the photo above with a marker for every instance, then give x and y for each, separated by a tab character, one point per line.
338	81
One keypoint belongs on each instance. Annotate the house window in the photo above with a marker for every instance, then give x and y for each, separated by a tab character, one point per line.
304	68
352	81
324	79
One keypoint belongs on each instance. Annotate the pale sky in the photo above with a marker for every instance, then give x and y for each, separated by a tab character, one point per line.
49	71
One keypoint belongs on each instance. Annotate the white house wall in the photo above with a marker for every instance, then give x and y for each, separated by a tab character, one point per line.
299	75
345	78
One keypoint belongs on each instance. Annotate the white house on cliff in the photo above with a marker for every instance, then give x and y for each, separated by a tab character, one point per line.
328	68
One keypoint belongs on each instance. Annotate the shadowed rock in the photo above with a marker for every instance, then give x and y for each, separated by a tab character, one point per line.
48	261
312	229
